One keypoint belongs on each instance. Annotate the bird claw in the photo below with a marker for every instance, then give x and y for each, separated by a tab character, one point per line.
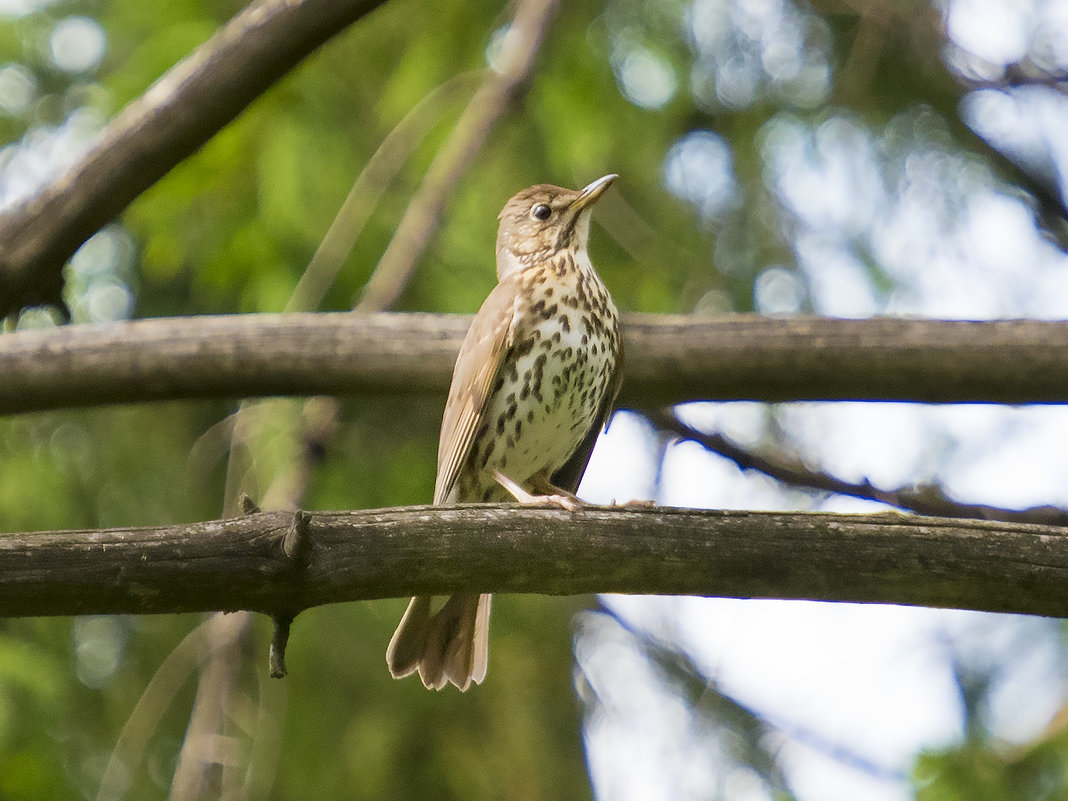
564	501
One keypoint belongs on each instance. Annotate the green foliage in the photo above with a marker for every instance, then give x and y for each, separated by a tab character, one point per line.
991	772
622	86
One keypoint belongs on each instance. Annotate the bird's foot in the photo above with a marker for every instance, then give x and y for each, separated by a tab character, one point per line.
565	500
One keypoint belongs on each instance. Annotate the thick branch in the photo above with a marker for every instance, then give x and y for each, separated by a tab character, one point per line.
242	563
177	115
669	359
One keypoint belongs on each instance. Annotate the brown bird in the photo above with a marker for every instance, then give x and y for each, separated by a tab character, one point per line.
532	388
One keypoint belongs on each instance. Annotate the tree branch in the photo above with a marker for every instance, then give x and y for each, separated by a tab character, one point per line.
241	563
367	190
926	499
670	359
169	122
494	97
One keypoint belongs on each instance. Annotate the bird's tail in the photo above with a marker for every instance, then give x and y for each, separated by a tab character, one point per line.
447	646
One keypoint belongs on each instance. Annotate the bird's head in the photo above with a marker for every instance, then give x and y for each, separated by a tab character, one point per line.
544	220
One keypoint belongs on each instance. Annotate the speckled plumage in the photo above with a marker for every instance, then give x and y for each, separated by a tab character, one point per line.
533	385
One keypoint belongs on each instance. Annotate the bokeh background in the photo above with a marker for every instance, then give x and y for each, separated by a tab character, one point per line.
839	157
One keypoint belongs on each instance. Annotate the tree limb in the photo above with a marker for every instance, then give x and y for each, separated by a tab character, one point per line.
169	122
670	359
241	563
926	499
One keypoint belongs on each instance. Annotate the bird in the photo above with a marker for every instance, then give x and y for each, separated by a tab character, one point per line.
533	386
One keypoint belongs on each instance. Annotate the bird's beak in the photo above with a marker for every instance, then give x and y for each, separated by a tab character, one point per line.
589	195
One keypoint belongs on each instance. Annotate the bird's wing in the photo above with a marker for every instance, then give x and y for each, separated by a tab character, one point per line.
482	354
569	476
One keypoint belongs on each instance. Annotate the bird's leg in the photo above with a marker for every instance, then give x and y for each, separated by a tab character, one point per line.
548	494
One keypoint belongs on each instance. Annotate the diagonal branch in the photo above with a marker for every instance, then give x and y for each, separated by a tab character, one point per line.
188	656
746	735
242	563
169	122
670	359
495	96
367	189
924	500
750	728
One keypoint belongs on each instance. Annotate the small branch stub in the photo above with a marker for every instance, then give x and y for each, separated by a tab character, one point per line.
295	542
295	545
279	640
248	506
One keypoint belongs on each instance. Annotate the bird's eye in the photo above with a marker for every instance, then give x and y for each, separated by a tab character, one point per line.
541	211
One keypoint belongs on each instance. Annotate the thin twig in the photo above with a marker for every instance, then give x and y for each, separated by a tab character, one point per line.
206	748
267	737
753	726
379	171
518	53
172	673
1022	74
279	640
925	500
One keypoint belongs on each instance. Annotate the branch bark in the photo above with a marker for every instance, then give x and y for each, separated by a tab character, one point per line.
169	122
243	563
925	499
670	359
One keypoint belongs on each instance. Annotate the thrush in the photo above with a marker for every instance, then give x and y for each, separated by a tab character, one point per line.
532	388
